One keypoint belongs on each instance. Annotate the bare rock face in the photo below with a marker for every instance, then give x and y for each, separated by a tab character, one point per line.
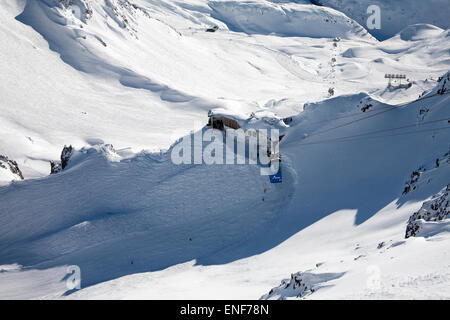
296	286
65	156
411	184
422	174
56	166
80	8
10	165
434	210
433	216
444	84
301	284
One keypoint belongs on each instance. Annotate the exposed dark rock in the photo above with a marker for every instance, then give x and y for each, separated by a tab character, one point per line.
56	166
10	165
65	156
213	29
436	209
288	120
366	107
444	84
411	184
300	284
296	284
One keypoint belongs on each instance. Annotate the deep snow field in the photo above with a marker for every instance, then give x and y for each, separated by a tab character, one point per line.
123	81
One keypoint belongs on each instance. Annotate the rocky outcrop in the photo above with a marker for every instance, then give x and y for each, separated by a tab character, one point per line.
434	210
444	84
70	156
365	104
411	184
56	166
81	9
424	170
296	286
65	156
10	165
301	284
433	216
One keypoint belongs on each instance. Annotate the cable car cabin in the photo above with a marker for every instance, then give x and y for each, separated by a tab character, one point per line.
220	122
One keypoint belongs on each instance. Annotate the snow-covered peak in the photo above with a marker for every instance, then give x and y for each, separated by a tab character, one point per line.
395	14
419	32
287	19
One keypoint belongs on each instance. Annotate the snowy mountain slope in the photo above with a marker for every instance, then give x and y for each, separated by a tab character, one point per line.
137	214
141	227
300	285
46	104
395	15
286	19
178	69
157	229
365	245
432	218
372	256
325	141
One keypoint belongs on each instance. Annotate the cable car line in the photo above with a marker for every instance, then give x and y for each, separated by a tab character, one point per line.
367	136
369	116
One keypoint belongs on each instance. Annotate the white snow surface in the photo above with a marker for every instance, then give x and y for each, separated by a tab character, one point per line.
139	75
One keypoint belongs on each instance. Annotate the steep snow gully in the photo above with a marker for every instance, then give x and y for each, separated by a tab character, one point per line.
360	159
